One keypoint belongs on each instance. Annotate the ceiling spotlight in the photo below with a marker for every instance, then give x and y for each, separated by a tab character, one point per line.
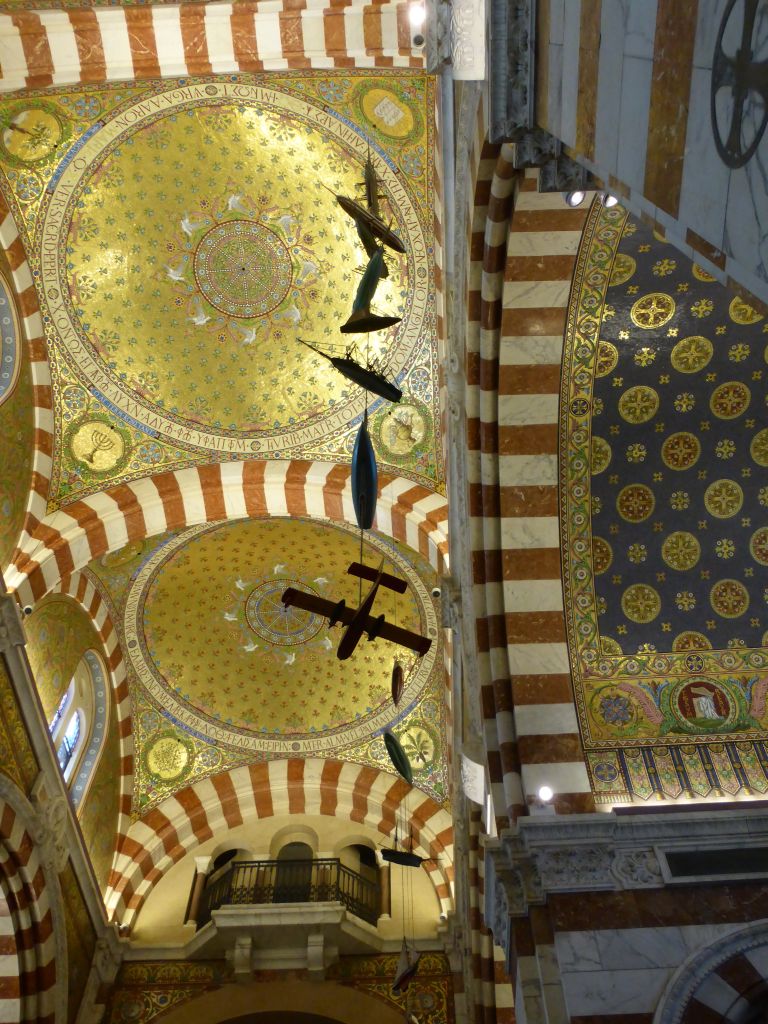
575	198
417	15
609	200
545	793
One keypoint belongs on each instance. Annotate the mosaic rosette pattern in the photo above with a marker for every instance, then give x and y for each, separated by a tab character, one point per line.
190	240
202	706
662	419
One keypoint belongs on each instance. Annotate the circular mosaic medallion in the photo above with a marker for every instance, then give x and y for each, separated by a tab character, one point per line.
702	704
610	646
758	449
243	269
729	598
419	741
97	444
742	313
690	640
31	132
653	310
758	545
691	354
613	707
730	399
635	502
269	618
602	554
638	404
681	550
168	757
402	429
388	112
640	603
605	772
681	450
701	274
607	357
623	268
601	455
723	498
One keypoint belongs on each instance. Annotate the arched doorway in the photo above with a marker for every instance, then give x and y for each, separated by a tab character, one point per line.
293	880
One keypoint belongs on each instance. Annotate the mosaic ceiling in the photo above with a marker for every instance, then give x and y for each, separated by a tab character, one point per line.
666	429
189	237
222	674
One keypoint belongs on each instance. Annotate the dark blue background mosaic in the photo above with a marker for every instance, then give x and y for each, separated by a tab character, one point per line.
679	458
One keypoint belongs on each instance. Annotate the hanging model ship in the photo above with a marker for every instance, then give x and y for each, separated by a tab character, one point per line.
367	377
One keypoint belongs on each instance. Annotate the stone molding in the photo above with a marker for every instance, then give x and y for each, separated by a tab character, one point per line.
693	973
600	852
512	62
11	627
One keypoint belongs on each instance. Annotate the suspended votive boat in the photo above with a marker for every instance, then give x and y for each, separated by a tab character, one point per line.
365	377
365	477
398	757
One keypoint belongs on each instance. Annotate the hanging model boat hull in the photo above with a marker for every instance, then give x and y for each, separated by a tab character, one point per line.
367	379
365	478
365	321
375	224
398	683
398	757
403	858
407	966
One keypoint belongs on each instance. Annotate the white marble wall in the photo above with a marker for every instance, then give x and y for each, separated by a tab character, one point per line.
625	971
727	208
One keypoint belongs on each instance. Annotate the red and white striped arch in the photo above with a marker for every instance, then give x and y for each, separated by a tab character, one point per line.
523	251
68	539
296	786
35	911
28	308
107	44
81	588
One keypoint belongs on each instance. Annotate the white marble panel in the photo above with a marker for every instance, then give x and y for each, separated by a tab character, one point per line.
545	719
521	410
640	948
604	992
739	273
640	27
528	470
544	349
63	46
544	243
704	191
533	596
611	60
569	99
535	294
531	532
637	73
538	659
577	951
709	16
560	776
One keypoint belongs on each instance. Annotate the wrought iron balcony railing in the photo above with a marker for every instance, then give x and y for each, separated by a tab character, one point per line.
324	880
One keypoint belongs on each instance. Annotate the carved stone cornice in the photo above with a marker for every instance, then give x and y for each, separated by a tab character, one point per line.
603	852
511	68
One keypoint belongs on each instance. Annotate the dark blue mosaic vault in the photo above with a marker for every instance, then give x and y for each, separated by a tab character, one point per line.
679	458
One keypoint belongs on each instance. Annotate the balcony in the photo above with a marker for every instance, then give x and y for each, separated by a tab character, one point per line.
259	882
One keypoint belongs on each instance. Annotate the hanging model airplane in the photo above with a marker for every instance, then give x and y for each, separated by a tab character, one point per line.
358	620
365	377
362	320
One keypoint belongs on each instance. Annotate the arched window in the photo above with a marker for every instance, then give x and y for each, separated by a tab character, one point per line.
79	724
